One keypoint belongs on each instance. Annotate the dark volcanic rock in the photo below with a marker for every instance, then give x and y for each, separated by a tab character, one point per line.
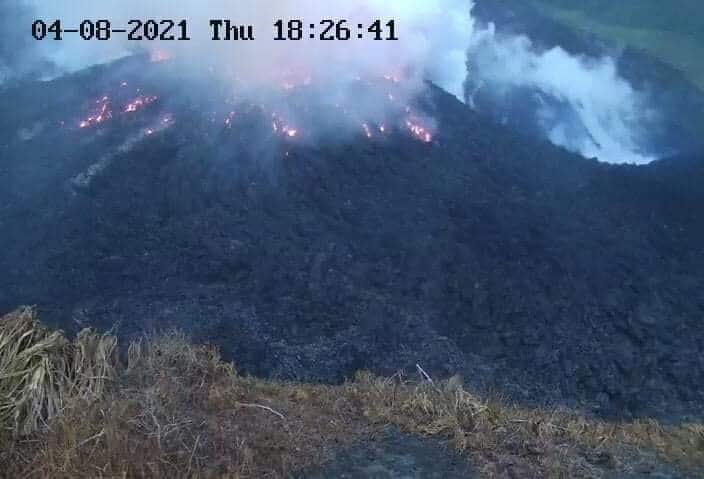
533	272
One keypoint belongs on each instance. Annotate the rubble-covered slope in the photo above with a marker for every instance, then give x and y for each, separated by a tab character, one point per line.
530	271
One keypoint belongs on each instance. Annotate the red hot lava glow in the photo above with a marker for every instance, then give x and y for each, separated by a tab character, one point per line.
138	103
417	128
101	114
419	131
280	127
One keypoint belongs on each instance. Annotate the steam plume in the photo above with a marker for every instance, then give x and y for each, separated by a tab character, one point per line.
580	103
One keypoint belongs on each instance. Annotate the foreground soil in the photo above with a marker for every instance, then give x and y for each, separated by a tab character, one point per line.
174	409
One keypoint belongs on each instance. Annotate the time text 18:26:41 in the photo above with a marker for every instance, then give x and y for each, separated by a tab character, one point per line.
220	30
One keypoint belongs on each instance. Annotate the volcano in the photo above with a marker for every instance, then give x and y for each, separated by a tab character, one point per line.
432	236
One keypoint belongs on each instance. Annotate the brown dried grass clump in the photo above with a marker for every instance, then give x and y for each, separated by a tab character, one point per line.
177	410
509	440
40	370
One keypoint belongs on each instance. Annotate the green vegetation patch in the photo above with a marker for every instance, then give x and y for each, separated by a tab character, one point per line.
672	31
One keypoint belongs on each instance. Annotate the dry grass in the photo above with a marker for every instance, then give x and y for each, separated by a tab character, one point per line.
177	410
512	441
40	371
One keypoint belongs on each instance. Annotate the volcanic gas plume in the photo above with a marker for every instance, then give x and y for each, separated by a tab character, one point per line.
581	103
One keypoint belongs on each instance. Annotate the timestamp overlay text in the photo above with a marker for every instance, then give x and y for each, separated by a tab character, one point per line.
292	29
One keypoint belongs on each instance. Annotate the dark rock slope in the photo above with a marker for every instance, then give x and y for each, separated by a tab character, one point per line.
531	271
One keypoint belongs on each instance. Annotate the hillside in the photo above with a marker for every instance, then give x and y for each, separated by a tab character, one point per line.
672	31
532	272
175	409
663	70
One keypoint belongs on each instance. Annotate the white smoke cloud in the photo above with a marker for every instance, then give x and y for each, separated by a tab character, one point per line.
583	103
585	106
433	35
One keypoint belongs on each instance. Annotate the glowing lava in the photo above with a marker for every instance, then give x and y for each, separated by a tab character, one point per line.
280	127
139	103
165	122
290	121
419	131
101	114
